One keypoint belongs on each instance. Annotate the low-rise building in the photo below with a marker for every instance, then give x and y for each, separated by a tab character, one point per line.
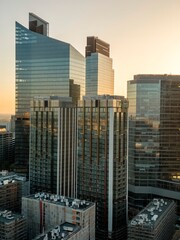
12	188
12	226
45	211
156	221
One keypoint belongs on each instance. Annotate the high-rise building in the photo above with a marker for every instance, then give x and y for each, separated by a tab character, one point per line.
154	138
155	222
53	146
102	159
45	211
6	148
99	71
44	67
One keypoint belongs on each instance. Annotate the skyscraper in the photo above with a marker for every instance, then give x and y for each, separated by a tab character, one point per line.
53	146
102	132
154	138
44	67
99	71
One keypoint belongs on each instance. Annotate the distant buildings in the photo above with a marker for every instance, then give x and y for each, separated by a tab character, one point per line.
102	159
154	138
156	221
6	148
44	67
99	71
46	211
12	226
53	146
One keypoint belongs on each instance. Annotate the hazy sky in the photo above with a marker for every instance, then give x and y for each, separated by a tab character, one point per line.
144	35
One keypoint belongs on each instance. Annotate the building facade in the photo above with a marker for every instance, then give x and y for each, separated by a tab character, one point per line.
155	222
102	159
44	67
12	188
154	139
53	146
46	211
6	148
99	71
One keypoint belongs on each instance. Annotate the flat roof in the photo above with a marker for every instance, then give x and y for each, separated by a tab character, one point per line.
7	216
65	231
61	200
150	216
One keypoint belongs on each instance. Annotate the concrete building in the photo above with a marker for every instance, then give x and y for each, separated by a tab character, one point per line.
102	162
6	148
12	187
99	71
12	226
154	139
156	221
46	211
44	67
53	146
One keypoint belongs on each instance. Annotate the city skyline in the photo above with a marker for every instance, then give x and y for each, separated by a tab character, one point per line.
143	36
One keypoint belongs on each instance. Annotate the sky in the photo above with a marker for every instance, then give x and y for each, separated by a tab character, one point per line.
144	35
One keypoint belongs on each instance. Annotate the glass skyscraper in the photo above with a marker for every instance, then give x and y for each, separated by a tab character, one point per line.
102	159
154	138
44	67
99	71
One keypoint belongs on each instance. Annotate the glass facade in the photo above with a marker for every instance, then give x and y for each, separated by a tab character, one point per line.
102	132
53	146
99	71
153	150
99	75
44	67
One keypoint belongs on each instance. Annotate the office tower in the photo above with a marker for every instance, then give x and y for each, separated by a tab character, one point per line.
12	226
44	67
154	138
45	211
102	172
155	222
99	71
6	148
53	146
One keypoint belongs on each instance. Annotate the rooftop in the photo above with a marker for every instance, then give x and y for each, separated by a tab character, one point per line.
63	231
7	216
9	177
152	214
61	200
